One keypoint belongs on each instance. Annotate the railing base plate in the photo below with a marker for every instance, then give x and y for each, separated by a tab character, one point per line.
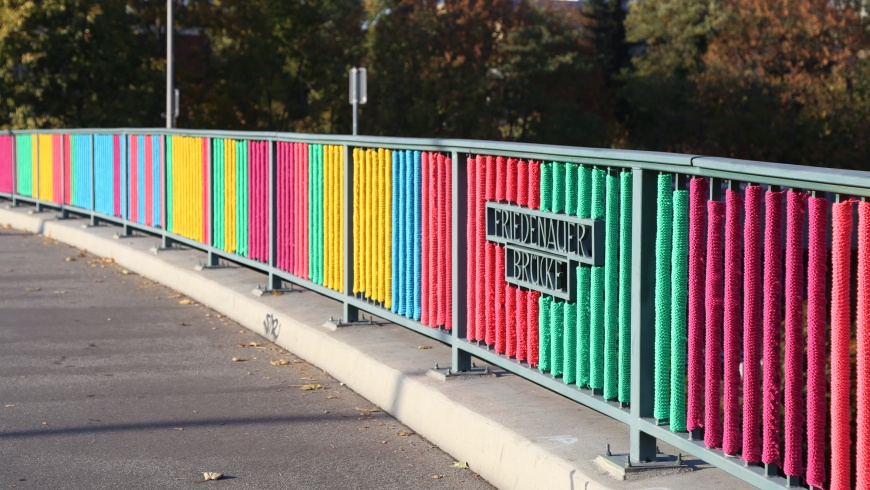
447	374
619	466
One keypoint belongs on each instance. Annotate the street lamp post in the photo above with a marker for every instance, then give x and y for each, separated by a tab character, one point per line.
170	93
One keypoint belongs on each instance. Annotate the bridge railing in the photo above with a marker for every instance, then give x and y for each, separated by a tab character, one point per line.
720	306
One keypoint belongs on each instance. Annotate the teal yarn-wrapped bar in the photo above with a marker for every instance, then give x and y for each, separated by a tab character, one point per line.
584	210
558	193
242	198
662	367
544	310
546	186
625	193
611	288
679	308
557	325
569	339
545	329
218	222
596	294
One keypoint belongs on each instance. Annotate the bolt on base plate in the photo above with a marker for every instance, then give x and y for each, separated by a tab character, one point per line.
448	374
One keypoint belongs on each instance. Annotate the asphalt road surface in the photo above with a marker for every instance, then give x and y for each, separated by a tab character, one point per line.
109	380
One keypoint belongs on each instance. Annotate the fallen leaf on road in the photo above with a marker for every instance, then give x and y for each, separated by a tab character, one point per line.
174	296
125	272
405	433
460	464
60	291
279	362
6	226
437	477
33	289
310	387
69	259
211	475
9	405
369	410
297	361
254	344
237	359
182	324
179	428
186	302
424	347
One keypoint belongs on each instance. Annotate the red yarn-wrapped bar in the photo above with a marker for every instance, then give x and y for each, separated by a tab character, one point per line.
817	386
491	252
697	259
794	342
471	251
752	297
841	440
862	462
731	435
427	269
714	310
772	383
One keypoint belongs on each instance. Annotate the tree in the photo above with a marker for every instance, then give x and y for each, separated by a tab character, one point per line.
75	63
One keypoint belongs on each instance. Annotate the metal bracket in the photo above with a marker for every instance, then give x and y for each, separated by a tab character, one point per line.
264	291
126	232
212	262
336	323
447	374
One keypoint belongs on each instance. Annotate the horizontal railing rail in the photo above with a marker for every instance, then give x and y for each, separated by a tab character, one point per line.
709	303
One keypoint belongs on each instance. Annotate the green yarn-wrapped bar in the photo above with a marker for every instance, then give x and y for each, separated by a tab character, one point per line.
242	195
596	294
662	368
679	299
611	291
584	210
544	322
557	325
625	193
569	340
315	212
544	327
558	194
24	165
217	191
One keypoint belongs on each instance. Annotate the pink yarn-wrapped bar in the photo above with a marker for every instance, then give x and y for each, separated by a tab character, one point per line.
500	285
697	259
447	253
862	463
731	436
752	298
480	241
841	440
471	252
714	312
794	338
817	386
491	252
532	310
522	322
427	269
772	384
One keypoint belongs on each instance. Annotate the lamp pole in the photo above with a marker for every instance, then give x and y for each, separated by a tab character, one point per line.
170	93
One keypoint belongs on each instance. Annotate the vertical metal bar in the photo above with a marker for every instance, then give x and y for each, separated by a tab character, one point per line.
35	188
93	195
125	164
274	281
460	360
350	313
642	445
212	259
14	168
165	241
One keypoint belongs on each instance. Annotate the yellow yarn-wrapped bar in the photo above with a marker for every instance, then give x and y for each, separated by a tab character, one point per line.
368	223
357	221
341	203
230	192
46	169
379	224
328	238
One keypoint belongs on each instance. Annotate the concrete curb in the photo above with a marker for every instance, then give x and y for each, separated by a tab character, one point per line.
489	423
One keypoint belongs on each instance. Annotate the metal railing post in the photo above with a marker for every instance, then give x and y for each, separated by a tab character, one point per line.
93	177
274	281
34	188
642	445
165	241
460	360
350	313
14	169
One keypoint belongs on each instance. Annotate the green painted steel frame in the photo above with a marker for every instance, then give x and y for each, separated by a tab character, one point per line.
644	432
